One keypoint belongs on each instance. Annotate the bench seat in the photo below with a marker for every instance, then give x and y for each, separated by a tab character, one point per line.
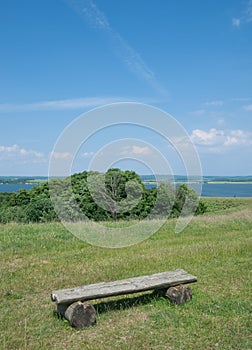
156	281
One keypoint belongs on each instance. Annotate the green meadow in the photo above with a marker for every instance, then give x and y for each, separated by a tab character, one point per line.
215	246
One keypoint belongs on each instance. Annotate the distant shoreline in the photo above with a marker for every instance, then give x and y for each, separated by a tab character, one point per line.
202	182
146	179
228	182
38	182
207	188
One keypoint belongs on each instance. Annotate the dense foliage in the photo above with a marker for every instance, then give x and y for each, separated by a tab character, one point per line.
111	196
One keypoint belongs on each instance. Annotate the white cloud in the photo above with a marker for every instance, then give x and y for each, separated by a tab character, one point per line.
248	108
61	155
17	152
245	17
141	150
136	150
87	154
215	103
221	122
236	22
219	141
8	149
211	137
199	112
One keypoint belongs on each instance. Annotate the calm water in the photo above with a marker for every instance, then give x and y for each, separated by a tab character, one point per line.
208	190
226	190
222	190
15	187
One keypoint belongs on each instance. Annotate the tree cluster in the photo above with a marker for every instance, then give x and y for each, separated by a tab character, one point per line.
115	195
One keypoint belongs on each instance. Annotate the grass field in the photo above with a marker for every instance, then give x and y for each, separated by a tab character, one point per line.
216	247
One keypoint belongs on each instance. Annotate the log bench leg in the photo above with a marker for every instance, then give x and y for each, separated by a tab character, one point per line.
78	314
179	294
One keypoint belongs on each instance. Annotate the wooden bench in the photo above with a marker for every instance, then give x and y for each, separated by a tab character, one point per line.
73	301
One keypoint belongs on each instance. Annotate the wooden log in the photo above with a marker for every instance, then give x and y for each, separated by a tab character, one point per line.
131	285
80	314
61	309
179	294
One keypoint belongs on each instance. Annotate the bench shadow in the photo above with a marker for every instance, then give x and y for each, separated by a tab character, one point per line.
126	302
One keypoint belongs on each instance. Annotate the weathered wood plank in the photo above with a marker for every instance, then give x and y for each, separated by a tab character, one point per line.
127	286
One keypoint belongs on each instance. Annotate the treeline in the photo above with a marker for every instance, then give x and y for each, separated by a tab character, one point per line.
115	195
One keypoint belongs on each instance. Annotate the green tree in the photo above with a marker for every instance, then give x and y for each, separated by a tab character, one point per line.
116	192
164	200
23	197
186	201
40	210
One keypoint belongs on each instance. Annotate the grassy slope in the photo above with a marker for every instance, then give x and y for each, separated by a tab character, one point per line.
215	247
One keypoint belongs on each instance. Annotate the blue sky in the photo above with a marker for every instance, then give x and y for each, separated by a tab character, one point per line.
61	58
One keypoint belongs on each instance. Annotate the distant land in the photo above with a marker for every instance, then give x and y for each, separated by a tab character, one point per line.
23	179
145	178
196	179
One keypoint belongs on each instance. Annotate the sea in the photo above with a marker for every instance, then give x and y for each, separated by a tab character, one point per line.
209	186
15	187
220	190
240	187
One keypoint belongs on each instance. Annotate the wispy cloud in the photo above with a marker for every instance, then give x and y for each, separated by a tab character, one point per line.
247	107
215	103
16	152
141	150
76	103
219	108
245	17
136	150
219	141
87	154
61	155
240	99
96	19
221	121
198	112
236	22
